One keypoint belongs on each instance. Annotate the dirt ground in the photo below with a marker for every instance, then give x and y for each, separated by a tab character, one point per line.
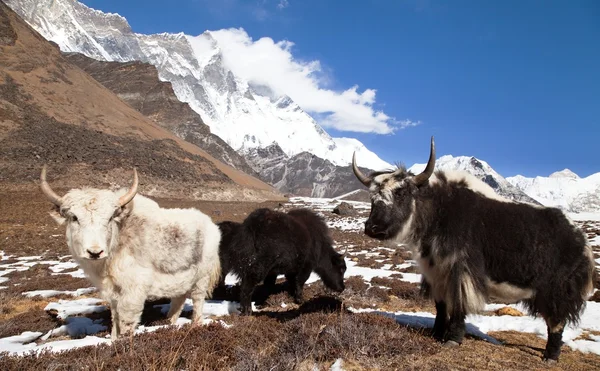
314	334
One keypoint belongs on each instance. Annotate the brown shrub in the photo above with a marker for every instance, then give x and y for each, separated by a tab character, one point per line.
398	288
378	293
410	269
356	285
373	341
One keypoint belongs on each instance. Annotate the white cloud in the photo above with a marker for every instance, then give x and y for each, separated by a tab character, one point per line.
270	63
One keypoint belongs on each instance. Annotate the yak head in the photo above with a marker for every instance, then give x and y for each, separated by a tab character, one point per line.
92	215
331	269
393	195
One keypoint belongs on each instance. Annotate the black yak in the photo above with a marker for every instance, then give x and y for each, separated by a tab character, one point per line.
269	243
474	246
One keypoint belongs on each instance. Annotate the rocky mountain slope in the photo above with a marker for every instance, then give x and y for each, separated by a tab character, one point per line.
303	174
481	170
137	84
244	116
563	189
53	112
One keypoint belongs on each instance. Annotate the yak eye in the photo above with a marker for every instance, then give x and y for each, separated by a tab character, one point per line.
74	218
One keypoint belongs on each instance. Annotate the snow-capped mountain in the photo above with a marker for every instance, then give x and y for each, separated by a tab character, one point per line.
481	170
244	116
563	189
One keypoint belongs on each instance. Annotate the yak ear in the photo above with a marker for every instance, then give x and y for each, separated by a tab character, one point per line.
55	214
122	212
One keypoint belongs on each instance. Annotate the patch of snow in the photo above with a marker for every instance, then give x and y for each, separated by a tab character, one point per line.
19	343
585	216
50	293
76	327
61	266
66	308
211	307
29	258
479	325
337	365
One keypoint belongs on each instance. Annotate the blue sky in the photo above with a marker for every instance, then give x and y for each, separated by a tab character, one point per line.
514	83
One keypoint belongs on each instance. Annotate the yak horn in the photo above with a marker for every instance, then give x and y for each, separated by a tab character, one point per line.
127	197
52	196
422	178
362	177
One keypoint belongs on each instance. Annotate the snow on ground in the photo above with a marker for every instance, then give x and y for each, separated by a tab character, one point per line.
50	293
479	325
66	308
585	216
326	204
82	329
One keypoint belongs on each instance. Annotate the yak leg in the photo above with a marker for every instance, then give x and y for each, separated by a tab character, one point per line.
554	343
246	291
301	278
460	292
198	296
114	316
291	280
176	308
267	289
270	280
456	329
441	320
129	309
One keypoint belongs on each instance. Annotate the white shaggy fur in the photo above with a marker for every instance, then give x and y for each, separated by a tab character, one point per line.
473	183
145	252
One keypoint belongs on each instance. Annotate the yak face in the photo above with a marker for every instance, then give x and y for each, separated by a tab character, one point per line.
393	198
331	269
392	204
93	218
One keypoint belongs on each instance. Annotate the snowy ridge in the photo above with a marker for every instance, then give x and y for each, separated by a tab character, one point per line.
563	189
244	116
481	170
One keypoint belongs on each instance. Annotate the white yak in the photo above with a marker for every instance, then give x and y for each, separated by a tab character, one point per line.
133	250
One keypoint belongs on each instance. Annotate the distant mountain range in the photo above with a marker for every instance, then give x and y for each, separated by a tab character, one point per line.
563	189
182	84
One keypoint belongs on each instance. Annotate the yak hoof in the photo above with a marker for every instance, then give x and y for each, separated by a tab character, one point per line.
451	344
550	361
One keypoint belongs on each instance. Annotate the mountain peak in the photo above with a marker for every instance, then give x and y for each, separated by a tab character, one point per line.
565	173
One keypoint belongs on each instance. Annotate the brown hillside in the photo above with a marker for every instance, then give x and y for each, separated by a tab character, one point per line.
137	84
53	112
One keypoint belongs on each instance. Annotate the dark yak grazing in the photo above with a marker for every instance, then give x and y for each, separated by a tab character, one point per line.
474	246
269	243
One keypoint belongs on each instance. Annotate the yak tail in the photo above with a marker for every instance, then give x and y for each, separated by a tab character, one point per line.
214	277
212	244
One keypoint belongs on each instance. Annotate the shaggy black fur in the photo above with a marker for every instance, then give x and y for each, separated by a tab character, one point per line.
228	230
485	239
269	243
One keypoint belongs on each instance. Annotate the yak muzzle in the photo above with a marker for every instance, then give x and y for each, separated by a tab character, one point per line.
375	231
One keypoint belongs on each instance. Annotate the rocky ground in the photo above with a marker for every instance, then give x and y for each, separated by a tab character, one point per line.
49	309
